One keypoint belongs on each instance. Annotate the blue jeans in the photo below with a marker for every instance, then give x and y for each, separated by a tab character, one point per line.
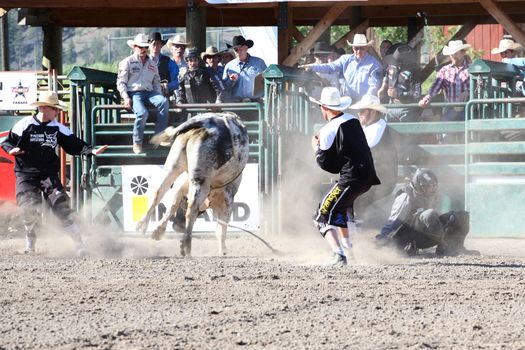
140	100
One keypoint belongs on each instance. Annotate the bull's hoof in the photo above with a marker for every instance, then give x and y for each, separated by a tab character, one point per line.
185	251
157	234
141	226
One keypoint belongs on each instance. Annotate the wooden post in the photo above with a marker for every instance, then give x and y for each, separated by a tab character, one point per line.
285	28
52	48
4	39
196	25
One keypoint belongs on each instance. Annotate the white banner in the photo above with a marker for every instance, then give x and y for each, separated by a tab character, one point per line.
140	181
17	90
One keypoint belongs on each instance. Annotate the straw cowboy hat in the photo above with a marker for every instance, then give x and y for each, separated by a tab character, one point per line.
140	40
370	102
178	39
156	36
332	99
211	51
455	46
239	41
506	44
360	40
50	99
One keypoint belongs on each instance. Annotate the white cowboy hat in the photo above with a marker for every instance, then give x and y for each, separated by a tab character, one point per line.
50	99
369	102
455	46
178	39
360	40
140	40
332	99
506	44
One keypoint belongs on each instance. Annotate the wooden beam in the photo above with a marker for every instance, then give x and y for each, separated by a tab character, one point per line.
325	22
504	20
361	28
461	34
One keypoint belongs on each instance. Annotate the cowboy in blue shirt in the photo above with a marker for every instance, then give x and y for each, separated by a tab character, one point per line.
361	71
239	74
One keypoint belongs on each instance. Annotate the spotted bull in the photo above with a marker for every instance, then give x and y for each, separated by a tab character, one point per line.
204	165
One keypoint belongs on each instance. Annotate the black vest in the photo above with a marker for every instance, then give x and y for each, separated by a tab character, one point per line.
164	70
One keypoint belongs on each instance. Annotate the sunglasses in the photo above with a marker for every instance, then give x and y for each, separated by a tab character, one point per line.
360	48
178	46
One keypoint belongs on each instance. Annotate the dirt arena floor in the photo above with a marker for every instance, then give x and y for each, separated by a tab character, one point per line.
135	293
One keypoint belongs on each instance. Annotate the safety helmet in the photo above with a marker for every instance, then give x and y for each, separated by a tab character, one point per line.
422	179
191	52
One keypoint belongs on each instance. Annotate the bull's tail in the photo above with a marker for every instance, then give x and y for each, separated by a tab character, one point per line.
170	133
165	136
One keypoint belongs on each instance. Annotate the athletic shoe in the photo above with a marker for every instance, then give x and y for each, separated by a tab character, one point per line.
338	260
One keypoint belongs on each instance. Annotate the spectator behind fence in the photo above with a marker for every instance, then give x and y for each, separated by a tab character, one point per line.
138	83
212	58
168	69
33	142
341	148
453	79
240	73
195	84
362	72
177	45
507	48
401	83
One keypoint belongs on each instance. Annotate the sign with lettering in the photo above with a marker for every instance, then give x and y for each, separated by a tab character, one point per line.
140	181
17	90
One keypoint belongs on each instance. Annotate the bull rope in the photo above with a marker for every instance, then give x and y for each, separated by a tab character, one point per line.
275	251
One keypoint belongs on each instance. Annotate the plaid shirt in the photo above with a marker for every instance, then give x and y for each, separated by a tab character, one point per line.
453	80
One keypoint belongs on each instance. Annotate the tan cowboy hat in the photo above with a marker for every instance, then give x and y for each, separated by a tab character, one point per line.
50	99
210	52
140	40
178	39
360	40
506	44
332	99
370	102
455	46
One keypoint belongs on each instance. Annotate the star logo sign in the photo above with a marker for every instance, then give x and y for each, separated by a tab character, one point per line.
20	93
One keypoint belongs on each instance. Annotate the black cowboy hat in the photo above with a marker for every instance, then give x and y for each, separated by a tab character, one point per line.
156	36
322	48
238	41
400	54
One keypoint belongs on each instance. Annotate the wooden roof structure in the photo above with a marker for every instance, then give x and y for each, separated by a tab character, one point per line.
358	15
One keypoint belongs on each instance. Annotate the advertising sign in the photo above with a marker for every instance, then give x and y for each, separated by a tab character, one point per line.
17	90
139	182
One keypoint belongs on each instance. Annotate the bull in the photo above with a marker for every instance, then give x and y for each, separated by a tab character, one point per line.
204	165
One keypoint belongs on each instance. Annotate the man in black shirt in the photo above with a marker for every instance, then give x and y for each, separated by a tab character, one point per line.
33	141
341	147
